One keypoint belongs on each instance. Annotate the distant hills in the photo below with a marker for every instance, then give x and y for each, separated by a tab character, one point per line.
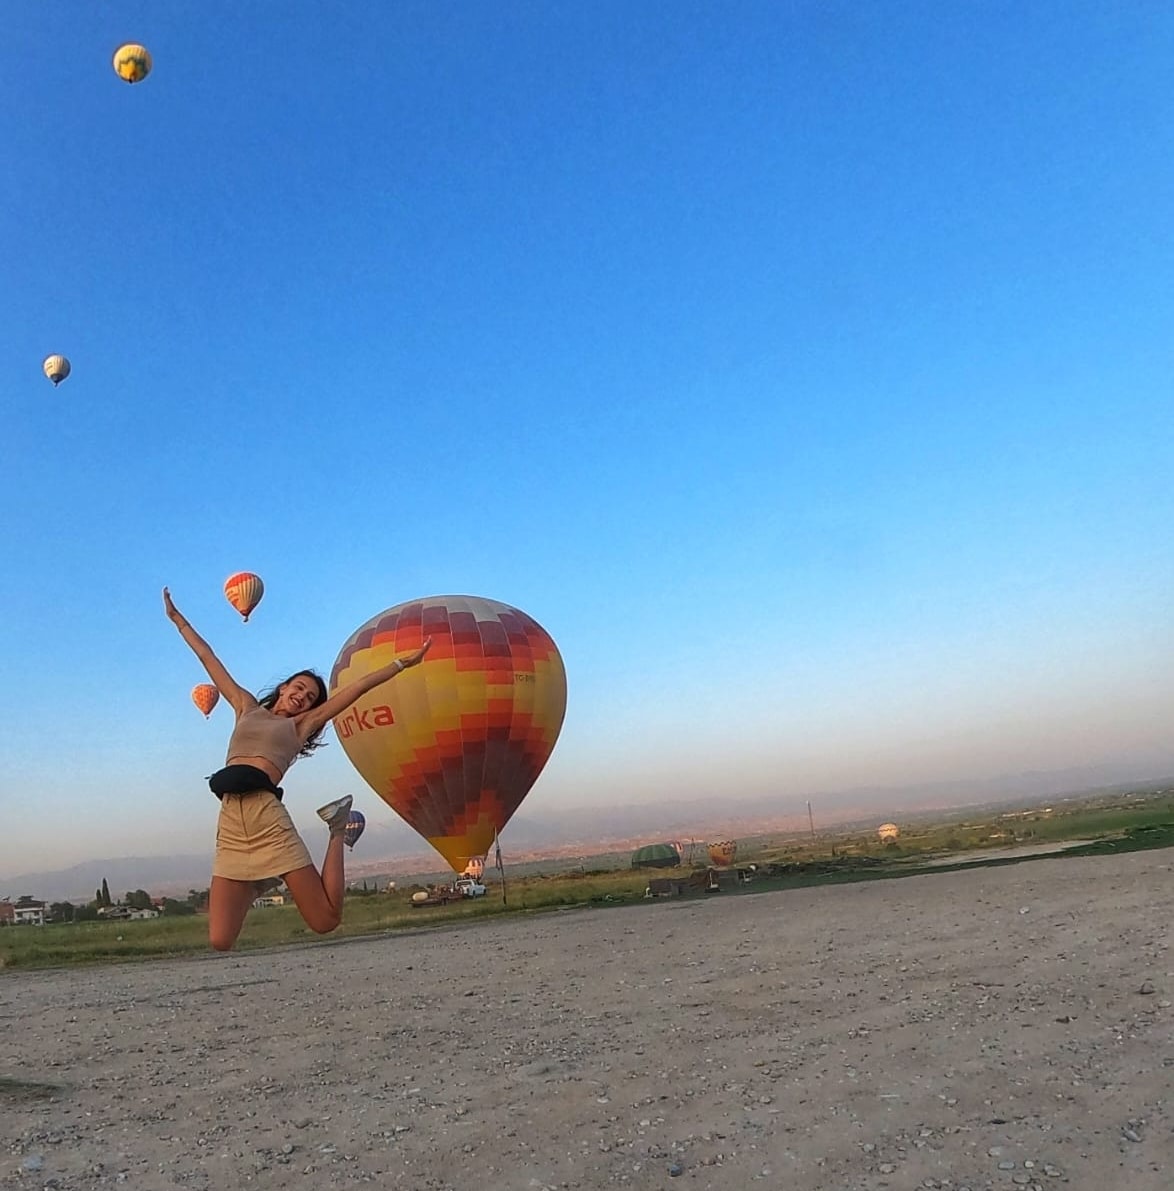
394	847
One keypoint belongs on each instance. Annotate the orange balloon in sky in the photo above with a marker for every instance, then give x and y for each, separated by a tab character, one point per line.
205	696
244	591
454	744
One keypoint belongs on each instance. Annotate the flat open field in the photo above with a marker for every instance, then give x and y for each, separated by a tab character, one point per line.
996	1028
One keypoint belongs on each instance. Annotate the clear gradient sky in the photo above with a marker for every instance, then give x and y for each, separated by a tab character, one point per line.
804	368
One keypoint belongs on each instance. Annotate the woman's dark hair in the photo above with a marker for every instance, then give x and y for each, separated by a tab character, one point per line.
268	698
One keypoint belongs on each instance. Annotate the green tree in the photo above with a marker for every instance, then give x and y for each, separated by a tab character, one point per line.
177	909
87	913
106	893
62	911
139	900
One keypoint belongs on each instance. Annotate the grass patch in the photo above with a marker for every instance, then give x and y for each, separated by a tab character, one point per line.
67	944
1109	826
1133	839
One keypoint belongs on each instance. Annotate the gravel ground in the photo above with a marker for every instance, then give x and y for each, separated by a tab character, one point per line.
1002	1028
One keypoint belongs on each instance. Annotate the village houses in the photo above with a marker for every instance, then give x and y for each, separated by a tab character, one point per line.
25	911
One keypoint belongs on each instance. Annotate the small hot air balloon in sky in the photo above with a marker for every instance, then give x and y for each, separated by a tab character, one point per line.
454	744
888	833
722	854
132	63
56	368
354	828
244	591
205	696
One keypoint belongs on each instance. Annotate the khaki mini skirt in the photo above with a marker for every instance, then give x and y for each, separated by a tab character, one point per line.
256	838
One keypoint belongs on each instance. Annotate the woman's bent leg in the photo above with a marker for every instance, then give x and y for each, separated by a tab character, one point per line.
319	898
228	903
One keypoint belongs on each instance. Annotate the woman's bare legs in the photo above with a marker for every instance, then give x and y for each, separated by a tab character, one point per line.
228	904
319	898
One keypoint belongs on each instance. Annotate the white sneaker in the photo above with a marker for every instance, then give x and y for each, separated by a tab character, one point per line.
334	814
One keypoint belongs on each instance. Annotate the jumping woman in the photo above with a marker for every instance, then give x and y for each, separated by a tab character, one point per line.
257	844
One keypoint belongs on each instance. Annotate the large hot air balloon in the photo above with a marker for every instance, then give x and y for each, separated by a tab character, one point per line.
354	828
244	591
205	696
722	854
132	63
453	745
56	368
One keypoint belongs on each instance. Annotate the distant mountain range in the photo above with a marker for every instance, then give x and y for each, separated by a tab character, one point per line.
396	848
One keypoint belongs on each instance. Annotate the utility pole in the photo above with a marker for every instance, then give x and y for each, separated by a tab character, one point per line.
500	866
810	819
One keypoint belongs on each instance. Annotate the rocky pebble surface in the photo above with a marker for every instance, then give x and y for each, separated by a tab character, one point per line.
983	1030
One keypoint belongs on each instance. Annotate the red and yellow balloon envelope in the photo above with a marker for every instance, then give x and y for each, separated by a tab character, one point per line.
453	745
722	855
205	696
244	591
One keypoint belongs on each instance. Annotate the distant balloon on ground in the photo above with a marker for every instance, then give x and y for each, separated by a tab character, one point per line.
132	63
723	854
56	368
656	856
355	824
453	745
205	696
888	832
244	591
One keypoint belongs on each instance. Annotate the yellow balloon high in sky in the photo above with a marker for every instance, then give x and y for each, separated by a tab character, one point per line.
132	63
56	368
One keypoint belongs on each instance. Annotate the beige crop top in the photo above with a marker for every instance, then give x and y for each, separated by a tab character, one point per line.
260	733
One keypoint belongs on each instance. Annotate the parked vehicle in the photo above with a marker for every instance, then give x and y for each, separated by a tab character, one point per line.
440	895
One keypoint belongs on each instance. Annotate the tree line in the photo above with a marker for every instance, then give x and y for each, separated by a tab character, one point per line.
135	899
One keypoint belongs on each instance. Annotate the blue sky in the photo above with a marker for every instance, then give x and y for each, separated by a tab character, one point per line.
805	369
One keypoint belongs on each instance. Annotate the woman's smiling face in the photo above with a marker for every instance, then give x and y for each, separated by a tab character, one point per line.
299	694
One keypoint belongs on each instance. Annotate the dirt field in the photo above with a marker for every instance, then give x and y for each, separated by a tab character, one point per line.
1005	1028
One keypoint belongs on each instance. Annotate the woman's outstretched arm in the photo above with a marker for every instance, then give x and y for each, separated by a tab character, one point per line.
237	696
311	721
